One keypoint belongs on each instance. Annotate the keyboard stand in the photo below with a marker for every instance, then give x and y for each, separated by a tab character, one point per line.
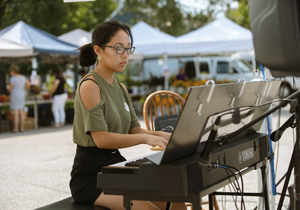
196	198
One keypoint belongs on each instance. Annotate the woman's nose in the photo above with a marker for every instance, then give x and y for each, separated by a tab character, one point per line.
125	55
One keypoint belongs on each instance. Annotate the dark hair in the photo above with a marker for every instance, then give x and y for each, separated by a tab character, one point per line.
102	34
14	68
59	74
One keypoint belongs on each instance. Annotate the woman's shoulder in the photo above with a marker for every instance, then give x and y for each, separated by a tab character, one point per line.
89	93
123	86
17	78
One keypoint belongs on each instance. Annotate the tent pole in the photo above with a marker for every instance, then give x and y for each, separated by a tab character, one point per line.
166	72
198	66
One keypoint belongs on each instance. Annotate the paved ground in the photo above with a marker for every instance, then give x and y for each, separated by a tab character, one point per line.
35	166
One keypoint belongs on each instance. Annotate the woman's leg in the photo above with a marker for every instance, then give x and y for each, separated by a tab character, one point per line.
55	111
116	202
16	120
64	98
22	120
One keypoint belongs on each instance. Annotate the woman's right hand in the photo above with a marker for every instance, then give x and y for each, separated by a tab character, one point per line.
156	141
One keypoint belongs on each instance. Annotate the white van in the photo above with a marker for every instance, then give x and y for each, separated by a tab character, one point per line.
216	68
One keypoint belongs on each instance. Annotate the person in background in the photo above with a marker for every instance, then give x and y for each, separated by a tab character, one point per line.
182	75
17	88
59	99
105	120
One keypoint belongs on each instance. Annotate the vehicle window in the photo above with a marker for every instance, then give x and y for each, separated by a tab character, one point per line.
204	69
243	65
223	67
190	69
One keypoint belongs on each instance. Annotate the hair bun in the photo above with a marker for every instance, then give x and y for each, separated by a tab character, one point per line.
87	56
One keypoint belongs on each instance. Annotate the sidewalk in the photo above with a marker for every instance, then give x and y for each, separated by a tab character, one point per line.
35	166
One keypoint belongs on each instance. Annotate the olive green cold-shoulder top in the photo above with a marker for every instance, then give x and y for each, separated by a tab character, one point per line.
114	113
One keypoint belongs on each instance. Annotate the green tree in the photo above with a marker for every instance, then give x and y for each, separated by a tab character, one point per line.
55	16
195	20
86	15
170	18
163	14
241	14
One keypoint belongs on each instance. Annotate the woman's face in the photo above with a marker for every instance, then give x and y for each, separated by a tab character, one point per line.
110	59
12	73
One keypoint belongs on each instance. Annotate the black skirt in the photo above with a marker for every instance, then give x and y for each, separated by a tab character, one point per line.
88	162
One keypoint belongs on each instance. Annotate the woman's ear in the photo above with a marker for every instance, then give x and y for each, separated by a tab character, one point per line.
97	49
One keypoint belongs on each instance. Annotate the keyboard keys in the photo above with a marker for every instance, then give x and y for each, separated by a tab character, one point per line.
138	162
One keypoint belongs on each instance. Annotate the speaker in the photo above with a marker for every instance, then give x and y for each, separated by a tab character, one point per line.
275	25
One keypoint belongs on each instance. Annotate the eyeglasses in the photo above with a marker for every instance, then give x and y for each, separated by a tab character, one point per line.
121	50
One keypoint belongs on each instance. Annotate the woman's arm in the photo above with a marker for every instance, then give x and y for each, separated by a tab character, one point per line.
109	140
10	86
27	84
90	96
139	130
55	85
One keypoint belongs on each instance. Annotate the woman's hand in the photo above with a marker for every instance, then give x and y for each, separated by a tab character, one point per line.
152	138
166	135
156	141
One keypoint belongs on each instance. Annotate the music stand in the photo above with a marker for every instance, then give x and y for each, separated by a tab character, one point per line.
203	102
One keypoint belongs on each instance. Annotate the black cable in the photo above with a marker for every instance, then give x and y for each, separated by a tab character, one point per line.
274	101
229	121
238	185
242	183
251	108
234	189
241	189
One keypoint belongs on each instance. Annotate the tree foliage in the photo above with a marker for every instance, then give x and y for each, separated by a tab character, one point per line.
55	16
169	16
195	20
163	14
241	14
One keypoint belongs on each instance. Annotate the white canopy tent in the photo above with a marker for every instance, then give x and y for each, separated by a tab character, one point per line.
12	49
149	41
222	36
77	37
